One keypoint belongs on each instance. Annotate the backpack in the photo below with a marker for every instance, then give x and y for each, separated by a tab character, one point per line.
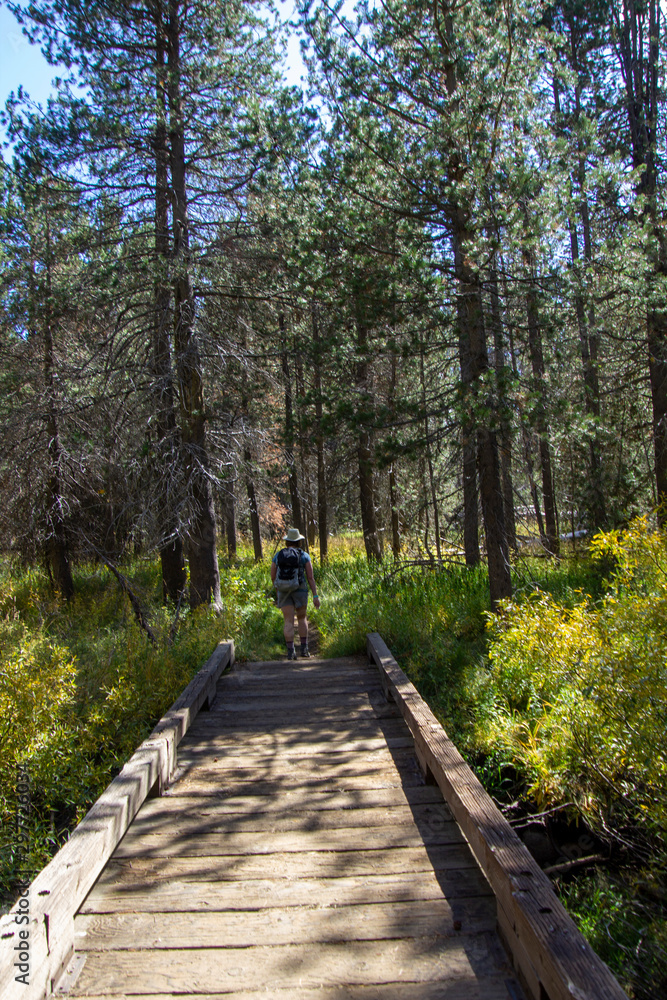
289	576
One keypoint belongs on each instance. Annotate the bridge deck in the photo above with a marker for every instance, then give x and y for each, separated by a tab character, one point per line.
298	855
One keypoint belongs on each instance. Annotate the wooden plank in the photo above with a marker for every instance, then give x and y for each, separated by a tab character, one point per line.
479	988
168	816
256	894
263	760
172	843
189	782
304	864
57	892
277	926
300	799
232	685
319	667
267	726
259	700
290	743
565	964
299	965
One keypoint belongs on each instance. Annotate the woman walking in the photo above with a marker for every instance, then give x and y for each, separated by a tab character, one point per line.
292	574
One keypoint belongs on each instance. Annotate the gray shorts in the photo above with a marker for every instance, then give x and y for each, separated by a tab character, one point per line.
297	598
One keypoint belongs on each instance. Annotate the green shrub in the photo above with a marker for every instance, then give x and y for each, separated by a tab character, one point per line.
577	697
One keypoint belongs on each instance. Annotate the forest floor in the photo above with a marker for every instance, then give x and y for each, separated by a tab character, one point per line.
73	676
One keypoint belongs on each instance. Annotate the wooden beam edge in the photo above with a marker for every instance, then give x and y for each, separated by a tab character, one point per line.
551	956
41	924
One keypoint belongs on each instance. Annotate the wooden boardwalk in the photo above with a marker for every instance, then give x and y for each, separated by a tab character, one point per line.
298	854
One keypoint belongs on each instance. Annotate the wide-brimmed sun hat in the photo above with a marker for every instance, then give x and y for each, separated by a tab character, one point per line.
293	535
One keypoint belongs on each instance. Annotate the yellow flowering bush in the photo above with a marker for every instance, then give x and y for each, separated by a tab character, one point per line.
579	695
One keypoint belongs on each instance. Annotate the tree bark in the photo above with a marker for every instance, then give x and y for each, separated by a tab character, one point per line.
57	550
468	444
474	365
365	452
550	539
393	491
505	436
429	459
252	504
295	498
230	521
319	441
640	67
203	559
174	576
588	337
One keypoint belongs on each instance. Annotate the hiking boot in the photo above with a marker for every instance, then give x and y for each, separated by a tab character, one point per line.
305	652
291	654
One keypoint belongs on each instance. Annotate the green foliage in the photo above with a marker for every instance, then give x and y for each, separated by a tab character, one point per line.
626	926
577	696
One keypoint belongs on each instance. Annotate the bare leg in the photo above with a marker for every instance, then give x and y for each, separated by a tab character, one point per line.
302	623
288	625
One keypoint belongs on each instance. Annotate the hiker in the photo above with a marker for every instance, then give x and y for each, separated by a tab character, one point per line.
292	574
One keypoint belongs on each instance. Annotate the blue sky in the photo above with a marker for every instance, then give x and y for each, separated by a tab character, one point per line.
23	63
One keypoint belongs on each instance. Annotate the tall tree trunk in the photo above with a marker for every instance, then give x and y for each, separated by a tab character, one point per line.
365	452
505	435
230	520
174	577
252	504
588	337
56	540
550	540
393	491
429	458
297	516
475	363
319	441
468	445
203	559
308	517
640	63
530	469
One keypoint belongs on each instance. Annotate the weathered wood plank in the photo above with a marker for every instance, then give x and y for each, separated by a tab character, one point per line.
291	744
267	727
256	894
563	963
262	760
477	988
299	799
305	864
354	962
168	816
175	844
229	782
278	926
315	686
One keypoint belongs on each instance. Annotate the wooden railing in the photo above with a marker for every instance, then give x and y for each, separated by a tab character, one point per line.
552	958
46	938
